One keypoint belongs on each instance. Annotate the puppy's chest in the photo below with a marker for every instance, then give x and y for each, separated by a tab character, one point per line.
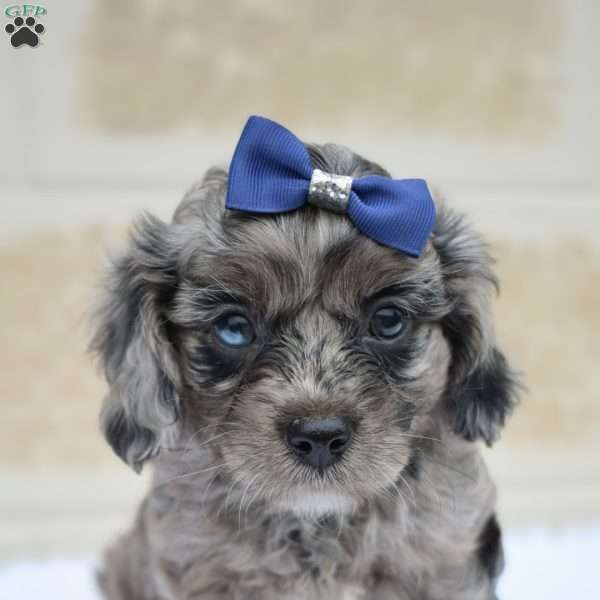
327	552
288	558
292	562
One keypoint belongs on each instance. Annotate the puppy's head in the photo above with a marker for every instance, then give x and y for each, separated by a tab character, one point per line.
311	360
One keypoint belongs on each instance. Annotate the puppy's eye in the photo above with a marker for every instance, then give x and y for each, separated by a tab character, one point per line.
234	330
387	323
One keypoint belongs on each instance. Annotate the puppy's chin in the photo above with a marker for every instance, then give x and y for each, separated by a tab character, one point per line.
311	504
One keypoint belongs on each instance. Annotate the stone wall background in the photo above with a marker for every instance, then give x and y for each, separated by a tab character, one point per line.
123	105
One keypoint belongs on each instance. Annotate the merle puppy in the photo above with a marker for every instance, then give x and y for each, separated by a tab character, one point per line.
310	400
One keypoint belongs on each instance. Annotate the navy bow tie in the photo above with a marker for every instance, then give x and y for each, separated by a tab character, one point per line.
271	172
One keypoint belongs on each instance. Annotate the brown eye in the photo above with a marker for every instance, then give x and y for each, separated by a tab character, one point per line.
387	323
234	330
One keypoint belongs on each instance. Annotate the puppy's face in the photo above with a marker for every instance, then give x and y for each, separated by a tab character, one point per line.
311	360
317	350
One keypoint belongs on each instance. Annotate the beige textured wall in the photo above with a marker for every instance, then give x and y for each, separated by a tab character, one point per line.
462	67
126	103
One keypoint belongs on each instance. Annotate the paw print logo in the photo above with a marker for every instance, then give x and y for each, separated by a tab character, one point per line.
24	32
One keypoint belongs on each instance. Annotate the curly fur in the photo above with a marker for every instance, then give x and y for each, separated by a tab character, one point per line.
408	513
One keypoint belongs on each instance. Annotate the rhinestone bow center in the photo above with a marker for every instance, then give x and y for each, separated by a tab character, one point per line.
329	191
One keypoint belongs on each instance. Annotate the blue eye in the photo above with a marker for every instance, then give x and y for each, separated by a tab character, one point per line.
234	330
387	323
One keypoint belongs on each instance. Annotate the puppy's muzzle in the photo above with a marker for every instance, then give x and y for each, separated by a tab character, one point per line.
319	442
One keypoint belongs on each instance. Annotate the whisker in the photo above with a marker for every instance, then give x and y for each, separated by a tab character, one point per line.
395	487
450	467
186	446
184	475
249	484
206	442
255	497
405	482
421	437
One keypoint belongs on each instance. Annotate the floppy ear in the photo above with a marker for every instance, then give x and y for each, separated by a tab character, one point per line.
132	345
482	387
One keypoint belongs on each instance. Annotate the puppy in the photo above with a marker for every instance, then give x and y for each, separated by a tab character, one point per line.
310	401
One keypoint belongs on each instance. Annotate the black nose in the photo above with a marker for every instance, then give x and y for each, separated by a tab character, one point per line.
319	442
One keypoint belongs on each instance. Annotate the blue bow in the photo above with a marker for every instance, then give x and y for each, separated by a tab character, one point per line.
271	172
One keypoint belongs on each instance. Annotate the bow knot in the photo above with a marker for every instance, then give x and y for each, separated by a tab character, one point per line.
271	172
329	191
